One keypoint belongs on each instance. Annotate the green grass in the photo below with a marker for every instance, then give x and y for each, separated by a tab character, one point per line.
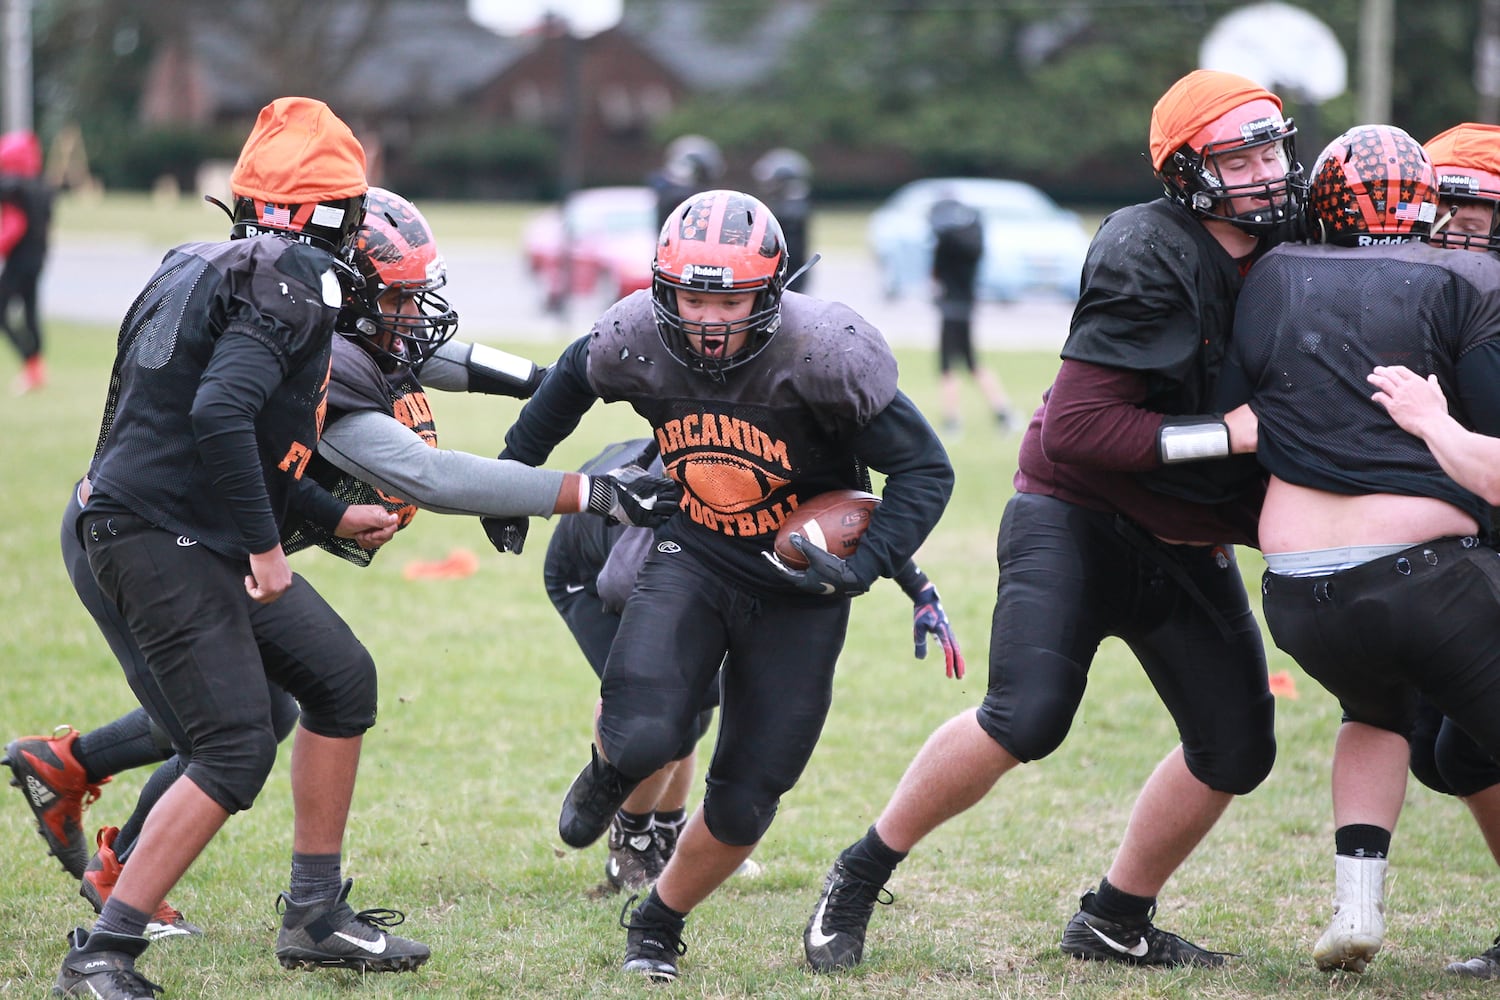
484	720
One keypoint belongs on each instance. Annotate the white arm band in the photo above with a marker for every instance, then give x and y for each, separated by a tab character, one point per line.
1205	437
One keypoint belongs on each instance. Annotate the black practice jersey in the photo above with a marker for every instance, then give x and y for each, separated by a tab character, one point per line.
358	383
802	418
217	393
1314	320
1157	299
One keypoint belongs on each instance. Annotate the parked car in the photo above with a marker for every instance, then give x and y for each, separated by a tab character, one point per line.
598	245
1030	243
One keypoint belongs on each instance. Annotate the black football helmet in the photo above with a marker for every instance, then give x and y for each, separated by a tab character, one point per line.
783	174
693	160
329	225
397	314
719	241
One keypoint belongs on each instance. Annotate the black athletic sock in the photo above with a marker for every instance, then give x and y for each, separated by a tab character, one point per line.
315	876
118	746
634	822
871	858
156	786
1121	907
1362	840
674	818
654	911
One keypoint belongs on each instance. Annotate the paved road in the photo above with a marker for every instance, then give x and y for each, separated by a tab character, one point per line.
96	280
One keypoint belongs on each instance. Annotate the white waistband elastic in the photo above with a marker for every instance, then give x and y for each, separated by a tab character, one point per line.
1320	562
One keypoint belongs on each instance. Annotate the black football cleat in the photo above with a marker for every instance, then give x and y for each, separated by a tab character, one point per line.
592	801
1093	937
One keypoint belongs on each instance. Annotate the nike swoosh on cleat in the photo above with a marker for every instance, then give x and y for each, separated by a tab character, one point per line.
573	588
1137	951
373	947
815	935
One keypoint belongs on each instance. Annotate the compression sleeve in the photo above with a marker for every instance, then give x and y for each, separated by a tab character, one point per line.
562	399
382	451
900	443
1478	372
317	505
235	385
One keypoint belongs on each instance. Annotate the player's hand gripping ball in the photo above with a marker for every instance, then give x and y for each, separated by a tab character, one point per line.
833	521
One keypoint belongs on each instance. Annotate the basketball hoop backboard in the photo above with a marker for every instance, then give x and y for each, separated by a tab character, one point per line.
1282	48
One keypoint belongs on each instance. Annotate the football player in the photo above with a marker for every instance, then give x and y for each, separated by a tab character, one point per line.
1122	525
379	446
211	416
690	164
1381	577
783	179
590	569
757	398
1466	162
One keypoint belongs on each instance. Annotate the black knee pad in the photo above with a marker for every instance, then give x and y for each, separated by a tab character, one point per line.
1030	704
340	702
1461	763
643	746
1237	763
230	767
284	713
736	815
1424	764
701	722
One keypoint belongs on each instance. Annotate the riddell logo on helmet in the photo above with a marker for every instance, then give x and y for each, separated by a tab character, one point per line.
1260	127
708	274
1458	184
1366	240
251	229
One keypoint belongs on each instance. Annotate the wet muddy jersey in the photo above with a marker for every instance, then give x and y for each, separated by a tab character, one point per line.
1156	316
804	417
216	398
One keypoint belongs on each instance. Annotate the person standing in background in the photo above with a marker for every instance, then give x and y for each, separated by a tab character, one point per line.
958	246
25	218
784	177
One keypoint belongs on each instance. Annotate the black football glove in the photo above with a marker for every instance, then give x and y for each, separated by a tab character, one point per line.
506	534
628	495
826	573
927	616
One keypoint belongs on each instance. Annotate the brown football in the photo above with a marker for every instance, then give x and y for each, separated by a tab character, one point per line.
833	521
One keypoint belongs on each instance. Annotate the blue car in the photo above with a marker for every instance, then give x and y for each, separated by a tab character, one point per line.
1031	245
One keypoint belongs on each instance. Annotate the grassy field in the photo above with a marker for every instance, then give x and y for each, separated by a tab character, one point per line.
484	720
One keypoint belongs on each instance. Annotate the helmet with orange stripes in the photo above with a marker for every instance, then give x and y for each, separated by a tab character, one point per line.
719	242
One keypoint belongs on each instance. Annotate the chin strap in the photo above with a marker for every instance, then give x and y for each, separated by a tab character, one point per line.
803	269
